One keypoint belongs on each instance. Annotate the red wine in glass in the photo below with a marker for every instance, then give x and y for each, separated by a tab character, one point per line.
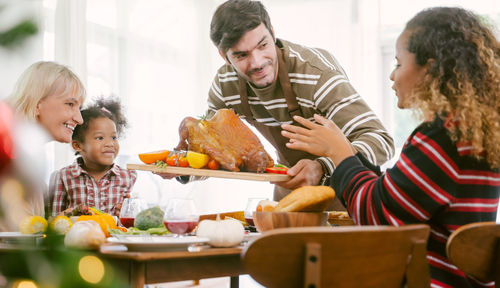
181	217
127	222
180	227
130	208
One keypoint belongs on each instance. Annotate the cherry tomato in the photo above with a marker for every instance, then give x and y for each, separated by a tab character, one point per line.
277	170
172	160
213	164
183	162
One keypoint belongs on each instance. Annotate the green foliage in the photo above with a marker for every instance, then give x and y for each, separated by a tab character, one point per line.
161	164
18	34
149	218
136	231
203	117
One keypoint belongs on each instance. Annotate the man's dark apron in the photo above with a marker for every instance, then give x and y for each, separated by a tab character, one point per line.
286	156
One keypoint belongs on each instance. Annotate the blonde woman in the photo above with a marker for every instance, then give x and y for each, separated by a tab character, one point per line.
448	70
50	95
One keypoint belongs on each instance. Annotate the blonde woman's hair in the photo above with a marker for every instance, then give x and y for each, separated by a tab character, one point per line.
40	80
464	80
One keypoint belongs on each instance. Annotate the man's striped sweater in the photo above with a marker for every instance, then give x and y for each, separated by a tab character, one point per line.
435	181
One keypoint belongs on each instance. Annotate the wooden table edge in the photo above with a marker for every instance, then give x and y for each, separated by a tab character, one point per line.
157	255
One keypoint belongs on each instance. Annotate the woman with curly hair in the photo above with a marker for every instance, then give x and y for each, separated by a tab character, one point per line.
448	71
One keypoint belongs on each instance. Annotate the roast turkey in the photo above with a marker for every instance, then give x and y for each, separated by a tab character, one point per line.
226	139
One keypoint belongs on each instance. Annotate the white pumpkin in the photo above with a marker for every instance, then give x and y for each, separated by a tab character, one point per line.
85	235
222	233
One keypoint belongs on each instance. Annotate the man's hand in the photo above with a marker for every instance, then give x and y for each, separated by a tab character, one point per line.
306	172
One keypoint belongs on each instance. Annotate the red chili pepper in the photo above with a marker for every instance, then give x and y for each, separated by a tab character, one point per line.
277	170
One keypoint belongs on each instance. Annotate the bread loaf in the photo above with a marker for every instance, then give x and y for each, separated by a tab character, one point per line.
306	199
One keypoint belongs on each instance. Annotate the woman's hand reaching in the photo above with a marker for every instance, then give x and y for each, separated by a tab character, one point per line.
323	139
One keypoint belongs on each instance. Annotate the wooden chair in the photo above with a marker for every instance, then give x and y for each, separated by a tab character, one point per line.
350	256
475	249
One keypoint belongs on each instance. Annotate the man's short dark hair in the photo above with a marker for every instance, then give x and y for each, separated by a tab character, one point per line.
233	19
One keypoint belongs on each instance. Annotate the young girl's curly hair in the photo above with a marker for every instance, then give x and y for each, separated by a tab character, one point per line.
464	80
109	108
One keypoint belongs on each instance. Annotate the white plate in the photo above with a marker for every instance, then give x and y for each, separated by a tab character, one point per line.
20	238
157	243
19	235
144	235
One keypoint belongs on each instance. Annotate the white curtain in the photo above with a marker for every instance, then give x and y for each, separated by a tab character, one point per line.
70	48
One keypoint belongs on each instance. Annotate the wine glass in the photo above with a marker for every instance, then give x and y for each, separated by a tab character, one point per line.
250	208
181	216
130	208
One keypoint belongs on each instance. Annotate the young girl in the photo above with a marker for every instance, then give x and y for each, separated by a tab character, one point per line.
93	179
448	171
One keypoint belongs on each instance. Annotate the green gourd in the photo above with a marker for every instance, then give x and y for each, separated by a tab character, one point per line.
149	218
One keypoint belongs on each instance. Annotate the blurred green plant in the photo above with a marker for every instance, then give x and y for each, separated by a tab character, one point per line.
16	35
51	264
11	38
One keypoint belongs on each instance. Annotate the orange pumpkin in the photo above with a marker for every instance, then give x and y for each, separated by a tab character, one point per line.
152	157
105	221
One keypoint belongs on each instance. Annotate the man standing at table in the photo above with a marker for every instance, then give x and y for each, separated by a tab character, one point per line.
268	80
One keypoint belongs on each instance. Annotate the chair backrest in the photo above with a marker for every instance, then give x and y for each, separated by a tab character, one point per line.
350	256
475	249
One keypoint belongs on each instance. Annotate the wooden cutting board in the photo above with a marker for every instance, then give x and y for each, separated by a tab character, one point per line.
211	173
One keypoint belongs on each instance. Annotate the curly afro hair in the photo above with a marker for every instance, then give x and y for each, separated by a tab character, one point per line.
103	107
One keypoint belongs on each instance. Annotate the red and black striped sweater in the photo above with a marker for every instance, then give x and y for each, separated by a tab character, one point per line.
435	181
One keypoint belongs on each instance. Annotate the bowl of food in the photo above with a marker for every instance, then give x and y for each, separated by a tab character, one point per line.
265	221
303	207
340	218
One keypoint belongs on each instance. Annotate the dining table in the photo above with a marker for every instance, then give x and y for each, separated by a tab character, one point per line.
194	263
138	267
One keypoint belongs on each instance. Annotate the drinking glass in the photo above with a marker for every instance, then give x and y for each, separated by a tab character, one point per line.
250	208
181	216
130	208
